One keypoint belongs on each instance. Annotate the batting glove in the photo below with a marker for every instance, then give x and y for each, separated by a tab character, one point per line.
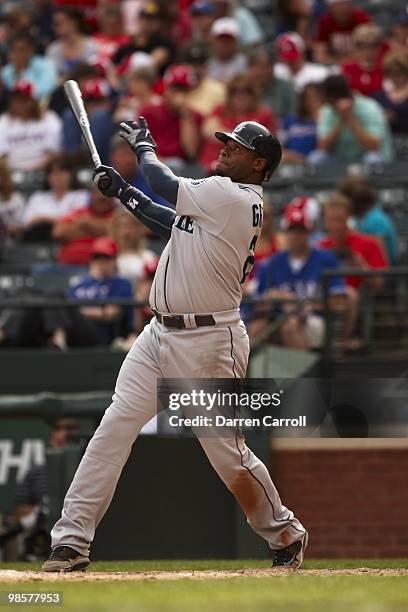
109	182
138	135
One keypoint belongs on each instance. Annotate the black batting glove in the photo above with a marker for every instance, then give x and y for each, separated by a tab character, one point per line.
138	136
109	182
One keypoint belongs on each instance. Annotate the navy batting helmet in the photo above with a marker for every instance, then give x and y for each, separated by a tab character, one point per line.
258	138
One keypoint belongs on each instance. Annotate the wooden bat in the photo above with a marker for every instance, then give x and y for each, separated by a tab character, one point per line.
74	97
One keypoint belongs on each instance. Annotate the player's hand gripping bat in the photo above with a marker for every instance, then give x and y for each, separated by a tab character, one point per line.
74	97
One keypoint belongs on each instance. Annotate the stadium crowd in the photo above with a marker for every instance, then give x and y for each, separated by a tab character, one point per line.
325	75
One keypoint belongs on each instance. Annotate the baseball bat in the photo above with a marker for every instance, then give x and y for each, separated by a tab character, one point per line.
74	97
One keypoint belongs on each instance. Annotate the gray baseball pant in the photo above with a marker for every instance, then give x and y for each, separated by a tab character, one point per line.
220	351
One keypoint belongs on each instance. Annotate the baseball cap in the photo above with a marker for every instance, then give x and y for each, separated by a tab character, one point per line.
180	75
226	26
24	87
104	246
290	46
95	88
150	9
201	7
302	211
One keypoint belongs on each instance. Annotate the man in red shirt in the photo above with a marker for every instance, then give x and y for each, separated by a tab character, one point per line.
364	70
354	250
175	128
334	30
77	231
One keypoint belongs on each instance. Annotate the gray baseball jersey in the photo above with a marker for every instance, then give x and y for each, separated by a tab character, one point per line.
211	249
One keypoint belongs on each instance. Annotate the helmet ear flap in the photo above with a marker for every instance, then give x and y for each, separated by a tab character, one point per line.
270	148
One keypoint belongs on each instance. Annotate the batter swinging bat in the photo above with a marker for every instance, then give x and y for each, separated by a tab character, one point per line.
74	97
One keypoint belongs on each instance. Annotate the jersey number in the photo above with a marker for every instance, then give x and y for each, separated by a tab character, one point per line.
250	260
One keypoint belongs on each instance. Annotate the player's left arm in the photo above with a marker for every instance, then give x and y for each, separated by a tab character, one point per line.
160	178
159	219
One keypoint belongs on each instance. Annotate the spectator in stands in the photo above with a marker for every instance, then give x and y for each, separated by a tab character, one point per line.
364	69
202	18
60	198
394	95
29	138
242	104
353	249
296	275
133	255
135	261
208	93
299	131
295	16
175	128
110	37
11	202
368	216
64	327
149	39
90	9
175	21
139	88
334	30
276	92
226	60
292	64
98	103
78	231
351	127
96	325
72	45
124	161
249	31
81	73
25	65
42	23
398	36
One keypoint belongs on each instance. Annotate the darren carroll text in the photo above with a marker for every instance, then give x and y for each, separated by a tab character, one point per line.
221	421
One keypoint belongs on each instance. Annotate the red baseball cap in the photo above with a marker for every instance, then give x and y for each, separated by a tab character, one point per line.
290	47
104	246
95	88
180	75
301	212
24	87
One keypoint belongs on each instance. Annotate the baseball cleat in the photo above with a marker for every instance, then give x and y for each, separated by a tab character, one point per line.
292	556
65	559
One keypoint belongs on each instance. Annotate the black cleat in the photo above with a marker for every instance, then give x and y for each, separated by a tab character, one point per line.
292	556
65	559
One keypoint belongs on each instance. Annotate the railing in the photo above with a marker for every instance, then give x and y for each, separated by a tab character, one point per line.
397	296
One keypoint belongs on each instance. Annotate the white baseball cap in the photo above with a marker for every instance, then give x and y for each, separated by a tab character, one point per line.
226	26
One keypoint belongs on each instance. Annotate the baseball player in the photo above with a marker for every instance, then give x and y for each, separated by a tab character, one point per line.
196	333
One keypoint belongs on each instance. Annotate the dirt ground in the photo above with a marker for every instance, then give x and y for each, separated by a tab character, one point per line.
15	576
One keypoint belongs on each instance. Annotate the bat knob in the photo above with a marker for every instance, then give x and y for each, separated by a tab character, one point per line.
104	183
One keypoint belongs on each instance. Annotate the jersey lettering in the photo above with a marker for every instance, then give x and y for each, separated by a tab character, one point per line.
250	260
257	215
186	224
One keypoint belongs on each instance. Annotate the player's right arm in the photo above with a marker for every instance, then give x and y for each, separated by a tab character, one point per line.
160	178
159	219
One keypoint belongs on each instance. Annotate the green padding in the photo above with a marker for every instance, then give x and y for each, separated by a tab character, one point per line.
35	371
277	362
